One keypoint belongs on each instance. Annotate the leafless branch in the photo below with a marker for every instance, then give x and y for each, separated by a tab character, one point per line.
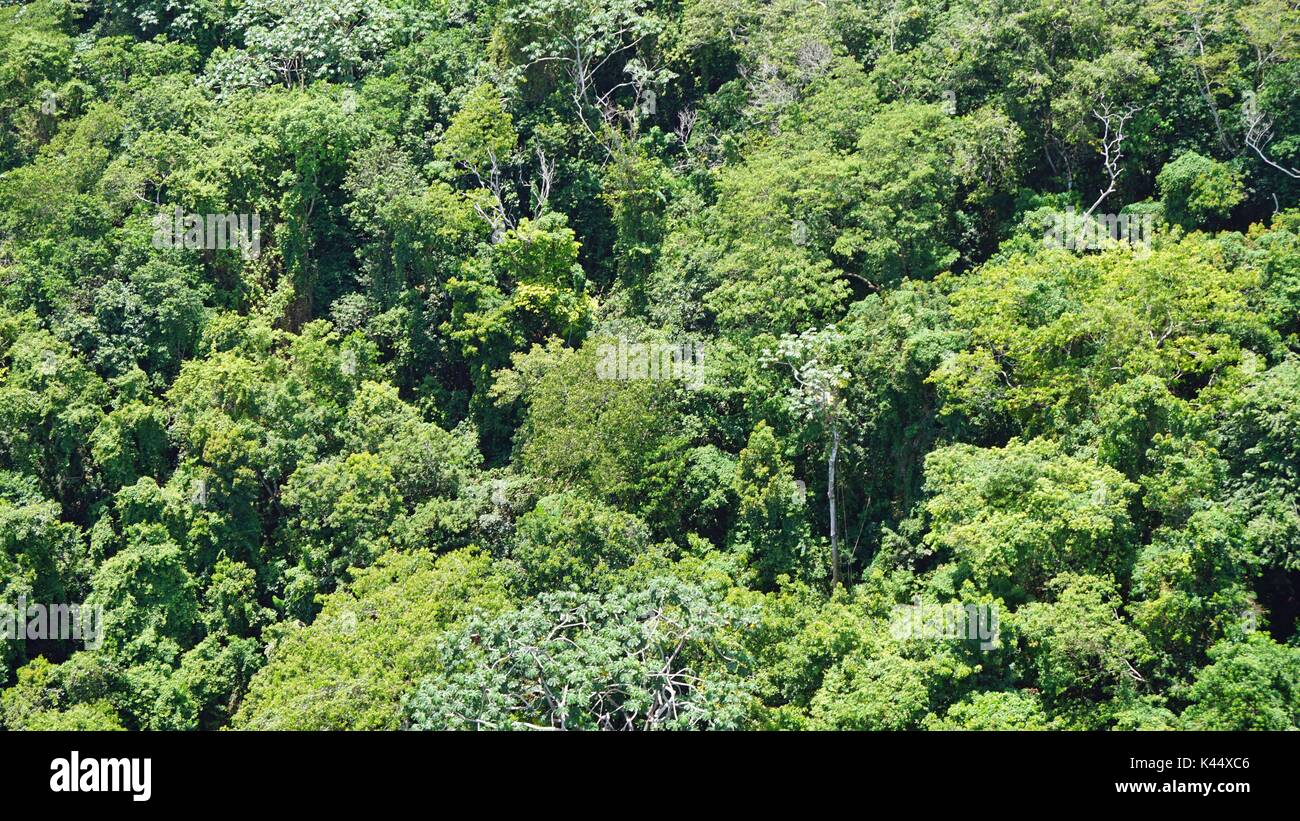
1259	132
542	189
1112	145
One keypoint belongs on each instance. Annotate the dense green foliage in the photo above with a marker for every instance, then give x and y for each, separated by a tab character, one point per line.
374	475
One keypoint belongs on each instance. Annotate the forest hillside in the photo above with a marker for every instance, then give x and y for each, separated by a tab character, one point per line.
635	364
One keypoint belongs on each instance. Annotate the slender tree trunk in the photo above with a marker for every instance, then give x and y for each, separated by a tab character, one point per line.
830	495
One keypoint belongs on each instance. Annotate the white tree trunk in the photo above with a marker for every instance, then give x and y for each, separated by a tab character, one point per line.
830	495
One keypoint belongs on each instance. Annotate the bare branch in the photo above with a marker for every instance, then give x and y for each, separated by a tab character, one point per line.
1112	145
1259	132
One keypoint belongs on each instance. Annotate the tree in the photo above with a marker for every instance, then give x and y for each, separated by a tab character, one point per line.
1078	646
770	529
1196	190
339	516
294	43
1250	685
1016	517
374	638
605	437
663	656
569	543
1013	710
149	600
816	396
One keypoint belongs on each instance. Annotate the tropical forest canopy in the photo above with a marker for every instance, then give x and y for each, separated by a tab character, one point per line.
392	467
